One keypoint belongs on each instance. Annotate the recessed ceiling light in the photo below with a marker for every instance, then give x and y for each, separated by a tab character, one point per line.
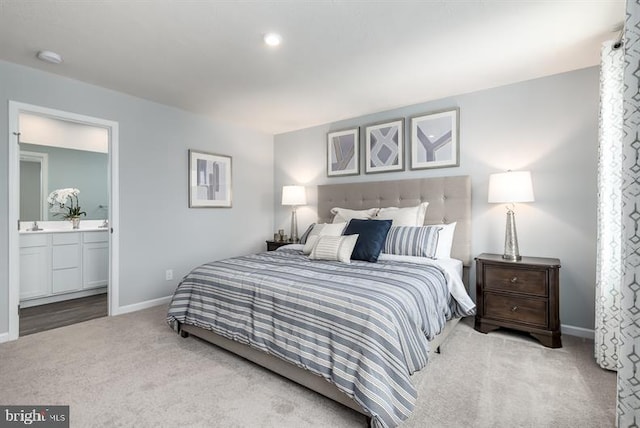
272	39
50	56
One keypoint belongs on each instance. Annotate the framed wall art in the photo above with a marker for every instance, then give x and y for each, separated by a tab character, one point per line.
384	147
434	140
209	180
342	152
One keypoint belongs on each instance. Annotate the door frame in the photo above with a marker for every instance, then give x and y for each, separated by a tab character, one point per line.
15	108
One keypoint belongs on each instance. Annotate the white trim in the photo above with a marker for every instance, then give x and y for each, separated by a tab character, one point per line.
571	330
14	215
113	169
144	305
15	108
4	337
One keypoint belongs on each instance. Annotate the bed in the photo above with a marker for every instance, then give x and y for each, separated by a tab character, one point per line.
356	344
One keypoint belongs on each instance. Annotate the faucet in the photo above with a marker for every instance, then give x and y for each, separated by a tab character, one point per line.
35	227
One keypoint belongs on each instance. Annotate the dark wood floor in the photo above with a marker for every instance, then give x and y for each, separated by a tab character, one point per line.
59	314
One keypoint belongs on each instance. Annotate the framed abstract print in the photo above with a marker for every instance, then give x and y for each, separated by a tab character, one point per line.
384	147
209	180
435	140
342	152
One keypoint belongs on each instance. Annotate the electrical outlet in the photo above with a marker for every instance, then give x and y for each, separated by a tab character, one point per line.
168	275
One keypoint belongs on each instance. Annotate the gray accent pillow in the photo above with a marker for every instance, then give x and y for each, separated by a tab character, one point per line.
419	241
305	235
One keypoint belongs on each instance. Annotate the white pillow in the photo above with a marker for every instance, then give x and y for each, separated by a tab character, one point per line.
311	242
336	248
411	216
322	229
343	215
445	240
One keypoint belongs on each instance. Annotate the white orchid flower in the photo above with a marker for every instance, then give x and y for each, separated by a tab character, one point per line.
62	199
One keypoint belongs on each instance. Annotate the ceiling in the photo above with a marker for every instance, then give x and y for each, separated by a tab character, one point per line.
338	59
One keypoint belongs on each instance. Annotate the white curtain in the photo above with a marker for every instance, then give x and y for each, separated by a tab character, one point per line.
609	240
617	334
628	412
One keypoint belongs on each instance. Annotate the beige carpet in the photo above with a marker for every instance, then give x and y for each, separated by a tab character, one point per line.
133	371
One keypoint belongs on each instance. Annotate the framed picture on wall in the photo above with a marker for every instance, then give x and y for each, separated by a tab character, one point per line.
342	152
384	147
435	140
209	180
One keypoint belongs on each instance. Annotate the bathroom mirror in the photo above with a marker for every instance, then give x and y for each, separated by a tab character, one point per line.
56	154
33	179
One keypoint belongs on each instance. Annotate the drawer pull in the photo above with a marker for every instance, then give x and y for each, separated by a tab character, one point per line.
515	308
514	279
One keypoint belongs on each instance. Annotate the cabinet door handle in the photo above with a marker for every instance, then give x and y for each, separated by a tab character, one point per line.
515	308
514	279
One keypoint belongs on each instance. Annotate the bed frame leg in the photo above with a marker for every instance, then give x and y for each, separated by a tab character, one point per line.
183	333
438	350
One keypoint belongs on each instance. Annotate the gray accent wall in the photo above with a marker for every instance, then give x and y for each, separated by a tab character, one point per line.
158	230
548	126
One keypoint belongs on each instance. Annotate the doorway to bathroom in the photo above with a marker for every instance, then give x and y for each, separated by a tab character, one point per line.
63	167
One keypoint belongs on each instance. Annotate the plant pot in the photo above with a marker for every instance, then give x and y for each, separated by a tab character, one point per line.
75	222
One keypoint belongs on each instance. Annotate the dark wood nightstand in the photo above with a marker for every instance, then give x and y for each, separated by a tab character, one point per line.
274	245
522	295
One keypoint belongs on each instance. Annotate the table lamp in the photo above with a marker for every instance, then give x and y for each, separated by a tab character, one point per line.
294	196
509	188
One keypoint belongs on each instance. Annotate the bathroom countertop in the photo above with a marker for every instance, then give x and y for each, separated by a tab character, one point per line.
82	229
62	227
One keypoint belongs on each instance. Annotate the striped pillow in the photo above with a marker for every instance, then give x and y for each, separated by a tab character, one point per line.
330	229
420	241
337	248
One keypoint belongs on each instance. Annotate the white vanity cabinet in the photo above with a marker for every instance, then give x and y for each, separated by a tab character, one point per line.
58	266
35	266
66	263
95	259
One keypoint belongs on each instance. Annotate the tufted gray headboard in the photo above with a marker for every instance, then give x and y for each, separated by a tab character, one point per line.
449	200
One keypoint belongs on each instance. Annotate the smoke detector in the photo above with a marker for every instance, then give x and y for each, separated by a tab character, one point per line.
50	57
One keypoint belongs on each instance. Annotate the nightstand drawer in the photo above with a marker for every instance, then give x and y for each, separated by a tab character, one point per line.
510	308
514	279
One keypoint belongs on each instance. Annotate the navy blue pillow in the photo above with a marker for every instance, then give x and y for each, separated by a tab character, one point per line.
371	239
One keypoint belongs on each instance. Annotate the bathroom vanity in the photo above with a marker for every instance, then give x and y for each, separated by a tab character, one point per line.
59	263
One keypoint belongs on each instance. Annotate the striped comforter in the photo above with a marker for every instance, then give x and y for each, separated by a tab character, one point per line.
362	326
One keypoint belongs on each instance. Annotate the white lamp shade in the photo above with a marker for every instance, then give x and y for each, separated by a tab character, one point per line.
294	195
510	187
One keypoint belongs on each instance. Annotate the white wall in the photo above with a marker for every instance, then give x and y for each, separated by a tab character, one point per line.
547	125
158	231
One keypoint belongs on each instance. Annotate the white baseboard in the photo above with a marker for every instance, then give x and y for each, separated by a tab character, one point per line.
143	305
4	337
577	331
